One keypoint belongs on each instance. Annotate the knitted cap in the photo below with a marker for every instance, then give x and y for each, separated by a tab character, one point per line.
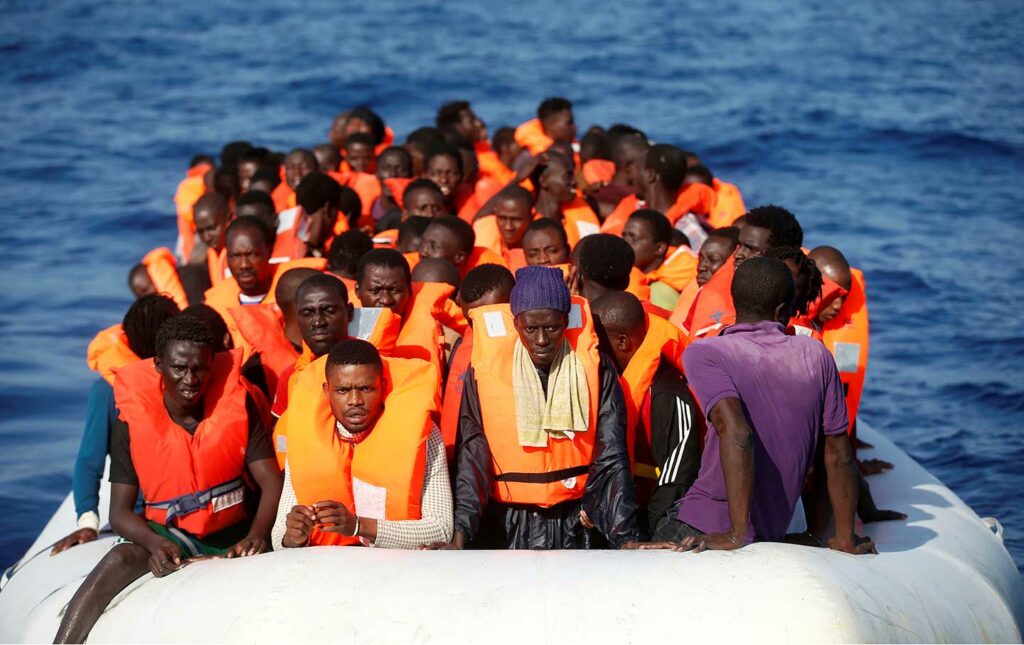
540	287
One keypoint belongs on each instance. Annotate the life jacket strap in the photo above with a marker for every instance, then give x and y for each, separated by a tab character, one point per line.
542	478
191	502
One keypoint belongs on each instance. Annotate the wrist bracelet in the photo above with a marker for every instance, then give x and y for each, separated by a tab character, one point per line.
355	531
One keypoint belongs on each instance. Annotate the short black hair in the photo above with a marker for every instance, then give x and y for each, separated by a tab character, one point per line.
187	328
232	152
142	321
620	147
346	250
661	228
386	258
484	279
288	286
606	259
759	286
551	106
350	204
415	225
401	152
330	153
619	311
731	233
618	130
594	144
200	159
252	223
436	270
257	197
502	137
806	268
364	138
268	174
212	319
702	173
785	229
517	193
316	190
354	351
227	183
214	201
424	138
443	149
257	155
461	229
421	183
548	224
323	281
679	239
370	118
306	153
448	114
391	219
668	163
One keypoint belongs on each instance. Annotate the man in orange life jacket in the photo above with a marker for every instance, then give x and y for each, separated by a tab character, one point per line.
418	143
410	234
450	238
554	123
603	264
714	252
359	153
137	340
383	279
212	216
297	164
506	147
322	312
513	212
248	163
394	163
667	444
423	198
650	234
443	165
305	230
437	270
627	147
528	386
545	243
365	462
556	196
195	503
248	242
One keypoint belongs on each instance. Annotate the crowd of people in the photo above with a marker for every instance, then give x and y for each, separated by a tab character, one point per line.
463	341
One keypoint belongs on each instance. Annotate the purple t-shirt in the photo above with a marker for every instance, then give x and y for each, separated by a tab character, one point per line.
790	390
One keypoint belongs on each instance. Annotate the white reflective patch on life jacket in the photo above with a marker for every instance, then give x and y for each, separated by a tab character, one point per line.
282	443
800	330
847	357
494	324
587	228
227	500
363	321
370	500
286	219
569	483
575	317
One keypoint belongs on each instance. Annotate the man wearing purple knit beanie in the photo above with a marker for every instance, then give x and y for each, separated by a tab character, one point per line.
542	456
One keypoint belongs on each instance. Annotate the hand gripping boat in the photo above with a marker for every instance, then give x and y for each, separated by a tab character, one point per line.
943	575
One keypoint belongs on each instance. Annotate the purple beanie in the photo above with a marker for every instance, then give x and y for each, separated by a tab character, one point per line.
540	287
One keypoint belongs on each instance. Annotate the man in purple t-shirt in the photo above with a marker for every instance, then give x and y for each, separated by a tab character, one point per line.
767	397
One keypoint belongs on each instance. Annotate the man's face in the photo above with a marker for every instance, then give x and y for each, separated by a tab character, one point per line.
384	287
444	171
558	180
321	227
249	261
360	157
185	370
541	332
356	395
392	165
438	242
640	236
246	170
753	243
354	125
296	167
712	255
323	319
561	126
469	125
513	217
141	284
424	202
831	310
210	227
545	247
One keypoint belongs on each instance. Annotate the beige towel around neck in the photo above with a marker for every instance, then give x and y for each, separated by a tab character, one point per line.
567	405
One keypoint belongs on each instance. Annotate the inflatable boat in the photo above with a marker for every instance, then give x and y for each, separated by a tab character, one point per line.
943	575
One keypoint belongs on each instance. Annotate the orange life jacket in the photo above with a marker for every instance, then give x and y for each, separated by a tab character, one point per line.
580	221
806	325
452	401
191	188
382	476
488	237
224	297
386	142
728	206
386	239
663	340
598	171
283	196
162	269
317	264
261	328
190	481
616	220
531	136
638	285
108	351
367	186
421	335
217	265
686	298
677	270
692	198
397	186
287	244
713	309
539	476
481	256
491	166
847	337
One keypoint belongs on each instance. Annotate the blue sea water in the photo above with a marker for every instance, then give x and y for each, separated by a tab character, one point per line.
894	131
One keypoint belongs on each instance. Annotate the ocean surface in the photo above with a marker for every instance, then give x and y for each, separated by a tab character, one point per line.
894	131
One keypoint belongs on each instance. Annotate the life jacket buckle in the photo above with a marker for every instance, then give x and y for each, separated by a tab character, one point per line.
187	504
